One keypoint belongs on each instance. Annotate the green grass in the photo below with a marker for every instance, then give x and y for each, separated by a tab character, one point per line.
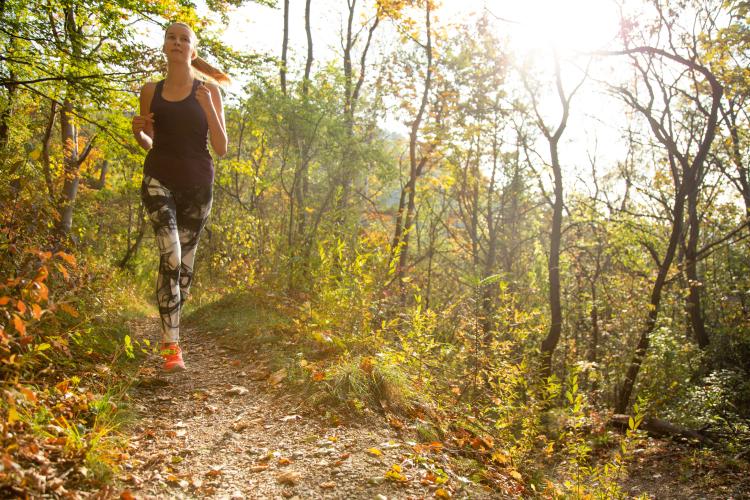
242	321
250	320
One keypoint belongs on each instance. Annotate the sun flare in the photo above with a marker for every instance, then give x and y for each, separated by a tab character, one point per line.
580	25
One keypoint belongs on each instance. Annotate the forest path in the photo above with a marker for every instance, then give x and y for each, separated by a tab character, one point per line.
223	429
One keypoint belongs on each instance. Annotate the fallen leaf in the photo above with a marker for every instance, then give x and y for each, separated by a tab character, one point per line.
284	461
259	468
394	422
328	485
215	471
394	474
290	478
277	376
291	417
375	452
238	390
240	426
259	374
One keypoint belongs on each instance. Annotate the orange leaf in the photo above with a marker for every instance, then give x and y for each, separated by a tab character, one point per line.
21	307
28	394
69	309
43	292
126	495
318	376
70	259
36	311
63	385
19	325
63	271
4	300
367	365
42	274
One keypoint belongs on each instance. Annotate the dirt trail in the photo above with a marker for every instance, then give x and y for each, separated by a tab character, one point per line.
220	430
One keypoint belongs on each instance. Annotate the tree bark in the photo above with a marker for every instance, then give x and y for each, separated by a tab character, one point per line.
7	112
45	150
687	179
308	63
284	44
70	167
693	300
415	165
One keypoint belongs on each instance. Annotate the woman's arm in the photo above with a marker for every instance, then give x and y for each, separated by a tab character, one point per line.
209	97
143	124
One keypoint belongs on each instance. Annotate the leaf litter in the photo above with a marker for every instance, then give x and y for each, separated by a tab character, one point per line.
216	431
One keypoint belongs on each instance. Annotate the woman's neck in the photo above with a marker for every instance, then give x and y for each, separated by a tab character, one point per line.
179	74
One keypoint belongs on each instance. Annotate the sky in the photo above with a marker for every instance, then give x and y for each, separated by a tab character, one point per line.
532	26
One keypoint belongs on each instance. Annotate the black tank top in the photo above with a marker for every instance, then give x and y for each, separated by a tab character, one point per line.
179	156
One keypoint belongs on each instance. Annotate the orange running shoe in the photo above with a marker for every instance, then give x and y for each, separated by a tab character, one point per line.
172	355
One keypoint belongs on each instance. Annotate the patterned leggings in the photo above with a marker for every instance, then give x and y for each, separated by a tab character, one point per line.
178	217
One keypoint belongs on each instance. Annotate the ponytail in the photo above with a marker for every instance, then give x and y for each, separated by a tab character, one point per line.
206	69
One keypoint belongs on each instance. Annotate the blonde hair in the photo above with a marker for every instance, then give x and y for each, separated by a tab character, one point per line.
200	65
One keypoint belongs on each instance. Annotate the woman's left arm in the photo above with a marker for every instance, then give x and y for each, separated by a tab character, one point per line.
209	97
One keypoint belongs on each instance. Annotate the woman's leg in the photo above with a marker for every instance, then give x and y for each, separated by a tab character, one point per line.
193	208
160	205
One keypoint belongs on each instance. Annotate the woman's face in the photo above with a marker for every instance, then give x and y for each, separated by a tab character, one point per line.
179	43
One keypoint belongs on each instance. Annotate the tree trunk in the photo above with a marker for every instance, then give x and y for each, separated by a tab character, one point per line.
415	166
7	112
45	150
693	300
308	64
653	310
553	268
70	167
687	176
132	250
284	44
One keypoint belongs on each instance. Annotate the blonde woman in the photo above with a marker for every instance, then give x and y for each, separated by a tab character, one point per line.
178	116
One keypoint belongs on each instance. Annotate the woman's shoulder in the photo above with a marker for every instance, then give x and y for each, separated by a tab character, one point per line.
148	89
212	86
149	86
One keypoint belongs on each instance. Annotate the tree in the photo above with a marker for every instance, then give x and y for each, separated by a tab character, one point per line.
687	171
553	265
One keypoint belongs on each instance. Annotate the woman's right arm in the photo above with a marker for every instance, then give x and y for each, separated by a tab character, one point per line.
143	124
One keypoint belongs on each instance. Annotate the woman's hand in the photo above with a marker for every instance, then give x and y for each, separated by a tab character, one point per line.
203	95
142	123
209	99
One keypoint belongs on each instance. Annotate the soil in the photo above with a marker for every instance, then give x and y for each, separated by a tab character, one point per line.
226	428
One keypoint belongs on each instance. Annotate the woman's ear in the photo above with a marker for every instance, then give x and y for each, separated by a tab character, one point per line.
194	55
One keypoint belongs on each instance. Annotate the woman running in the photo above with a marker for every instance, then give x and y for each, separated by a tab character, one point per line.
177	117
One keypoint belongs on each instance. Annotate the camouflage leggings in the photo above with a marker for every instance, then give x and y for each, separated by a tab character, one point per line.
178	217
